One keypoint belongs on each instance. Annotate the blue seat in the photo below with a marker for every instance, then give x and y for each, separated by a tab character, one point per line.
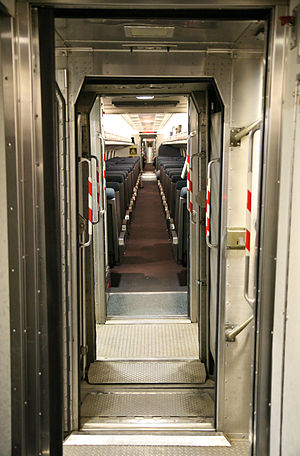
110	193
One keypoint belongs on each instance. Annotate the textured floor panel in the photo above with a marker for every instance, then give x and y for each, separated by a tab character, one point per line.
152	341
148	404
238	448
211	439
161	424
147	304
110	372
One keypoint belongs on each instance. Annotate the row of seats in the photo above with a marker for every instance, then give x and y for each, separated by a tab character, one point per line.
122	179
174	192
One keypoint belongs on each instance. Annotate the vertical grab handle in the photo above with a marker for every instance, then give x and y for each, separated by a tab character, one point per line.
90	204
100	211
186	170
189	175
251	301
102	200
208	203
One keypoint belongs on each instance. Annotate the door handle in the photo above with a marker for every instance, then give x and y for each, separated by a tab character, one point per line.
208	201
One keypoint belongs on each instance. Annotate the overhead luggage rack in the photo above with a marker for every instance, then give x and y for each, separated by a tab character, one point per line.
177	139
116	140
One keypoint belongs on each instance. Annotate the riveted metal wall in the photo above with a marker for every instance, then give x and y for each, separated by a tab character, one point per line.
5	348
33	252
260	426
246	107
284	433
28	309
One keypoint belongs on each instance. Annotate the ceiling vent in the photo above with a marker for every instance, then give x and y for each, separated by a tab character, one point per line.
143	31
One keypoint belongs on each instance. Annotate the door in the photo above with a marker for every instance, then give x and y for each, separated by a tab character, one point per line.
212	223
204	153
88	211
93	269
193	149
97	148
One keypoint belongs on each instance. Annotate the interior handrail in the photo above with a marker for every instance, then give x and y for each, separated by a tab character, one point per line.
208	200
231	333
100	210
250	301
90	203
245	131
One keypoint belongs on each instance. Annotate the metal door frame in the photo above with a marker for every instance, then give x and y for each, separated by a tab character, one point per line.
38	270
267	242
273	101
34	231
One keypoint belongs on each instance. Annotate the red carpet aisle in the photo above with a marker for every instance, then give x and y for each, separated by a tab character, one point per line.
148	263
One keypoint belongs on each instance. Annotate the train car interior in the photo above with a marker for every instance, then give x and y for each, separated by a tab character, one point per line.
149	265
152	166
145	218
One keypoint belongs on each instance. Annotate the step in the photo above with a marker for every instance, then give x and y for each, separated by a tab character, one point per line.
147	372
148	404
145	304
144	442
147	342
140	425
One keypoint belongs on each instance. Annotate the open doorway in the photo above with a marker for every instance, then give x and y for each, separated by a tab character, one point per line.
150	194
142	342
148	275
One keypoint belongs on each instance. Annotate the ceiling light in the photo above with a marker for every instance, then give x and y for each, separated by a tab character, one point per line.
144	31
145	97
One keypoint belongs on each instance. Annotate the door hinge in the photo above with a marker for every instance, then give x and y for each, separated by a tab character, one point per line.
81	224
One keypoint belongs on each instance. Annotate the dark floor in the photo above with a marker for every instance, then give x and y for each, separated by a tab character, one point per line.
148	263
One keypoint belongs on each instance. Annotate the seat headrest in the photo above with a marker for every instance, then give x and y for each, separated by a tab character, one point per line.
183	193
180	184
168	151
114	185
110	193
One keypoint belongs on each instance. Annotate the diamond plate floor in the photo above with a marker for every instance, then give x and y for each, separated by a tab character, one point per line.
135	404
154	304
238	448
154	372
147	341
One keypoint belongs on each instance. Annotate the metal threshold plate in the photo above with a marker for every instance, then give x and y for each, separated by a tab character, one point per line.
178	426
238	448
154	404
148	372
137	304
145	342
217	440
